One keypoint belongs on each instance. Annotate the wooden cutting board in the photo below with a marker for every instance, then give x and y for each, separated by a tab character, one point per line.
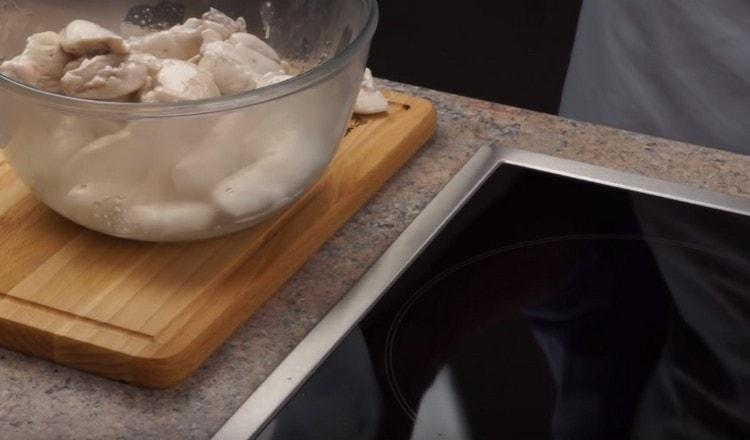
151	314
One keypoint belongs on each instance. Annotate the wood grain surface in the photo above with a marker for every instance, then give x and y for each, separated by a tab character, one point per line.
151	314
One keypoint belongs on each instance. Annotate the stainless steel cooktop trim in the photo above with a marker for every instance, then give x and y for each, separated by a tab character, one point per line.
291	374
627	181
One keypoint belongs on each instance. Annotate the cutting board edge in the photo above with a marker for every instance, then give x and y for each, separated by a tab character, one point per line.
165	364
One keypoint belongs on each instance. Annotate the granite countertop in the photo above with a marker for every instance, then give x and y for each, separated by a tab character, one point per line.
40	400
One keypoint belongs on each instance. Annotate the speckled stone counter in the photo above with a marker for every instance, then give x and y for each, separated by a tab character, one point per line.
39	400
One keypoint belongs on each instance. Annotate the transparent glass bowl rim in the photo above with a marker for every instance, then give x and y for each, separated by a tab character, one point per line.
297	84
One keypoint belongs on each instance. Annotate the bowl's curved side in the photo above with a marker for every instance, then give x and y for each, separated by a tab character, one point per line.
181	177
353	29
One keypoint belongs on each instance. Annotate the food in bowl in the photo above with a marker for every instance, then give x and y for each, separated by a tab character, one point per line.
190	177
199	59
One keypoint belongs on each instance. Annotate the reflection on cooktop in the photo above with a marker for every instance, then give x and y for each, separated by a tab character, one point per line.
549	308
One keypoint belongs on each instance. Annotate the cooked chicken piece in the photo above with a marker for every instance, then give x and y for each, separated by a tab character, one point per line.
180	81
84	38
113	158
370	100
272	78
141	154
151	62
181	42
222	153
172	220
113	207
105	77
219	22
42	149
209	36
193	23
107	205
255	191
252	42
276	176
73	65
235	68
88	202
229	67
41	64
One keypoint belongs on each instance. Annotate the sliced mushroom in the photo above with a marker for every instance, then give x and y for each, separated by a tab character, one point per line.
84	38
370	100
180	42
105	77
180	81
41	64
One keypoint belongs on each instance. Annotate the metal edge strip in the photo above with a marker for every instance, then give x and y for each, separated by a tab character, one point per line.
274	392
622	180
302	362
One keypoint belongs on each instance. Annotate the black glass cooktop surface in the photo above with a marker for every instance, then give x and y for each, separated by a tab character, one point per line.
549	308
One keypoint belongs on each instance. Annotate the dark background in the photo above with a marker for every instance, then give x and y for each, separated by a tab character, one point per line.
515	52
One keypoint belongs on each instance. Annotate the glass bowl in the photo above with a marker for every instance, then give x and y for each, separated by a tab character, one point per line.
192	170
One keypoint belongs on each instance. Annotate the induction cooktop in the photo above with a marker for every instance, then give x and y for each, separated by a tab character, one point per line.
535	298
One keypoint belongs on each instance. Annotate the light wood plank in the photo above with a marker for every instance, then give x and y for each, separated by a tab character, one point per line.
150	314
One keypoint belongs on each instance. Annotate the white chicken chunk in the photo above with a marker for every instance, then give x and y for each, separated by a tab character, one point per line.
41	149
252	42
110	158
254	174
181	42
152	63
222	154
180	81
41	64
271	181
108	207
193	23
84	38
272	78
370	101
105	77
141	154
235	68
209	36
229	66
172	220
223	24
